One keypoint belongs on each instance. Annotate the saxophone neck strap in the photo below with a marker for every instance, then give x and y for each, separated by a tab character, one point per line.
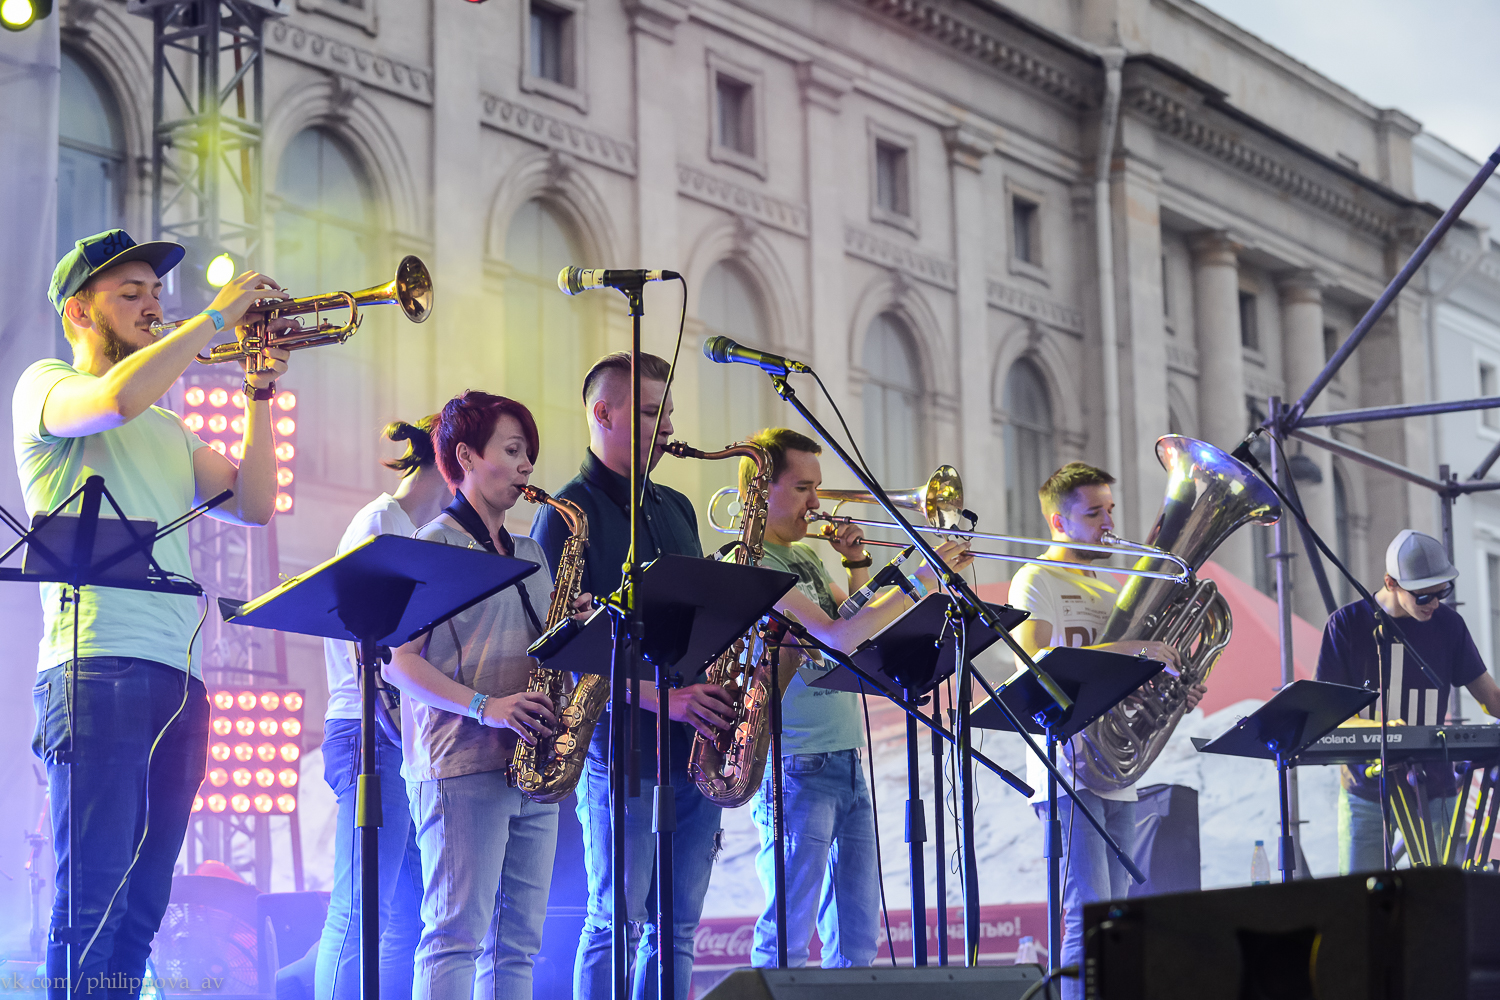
468	518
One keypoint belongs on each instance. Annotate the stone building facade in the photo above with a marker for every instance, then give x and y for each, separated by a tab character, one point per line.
903	193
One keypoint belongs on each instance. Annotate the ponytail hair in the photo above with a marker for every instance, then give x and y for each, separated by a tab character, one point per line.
418	437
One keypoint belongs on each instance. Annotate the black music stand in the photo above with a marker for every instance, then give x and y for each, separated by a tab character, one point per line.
1096	681
690	611
385	591
1298	716
909	658
66	545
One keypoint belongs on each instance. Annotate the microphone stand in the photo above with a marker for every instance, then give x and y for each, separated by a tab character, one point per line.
970	606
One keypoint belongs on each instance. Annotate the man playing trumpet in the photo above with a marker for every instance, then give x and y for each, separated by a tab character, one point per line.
831	872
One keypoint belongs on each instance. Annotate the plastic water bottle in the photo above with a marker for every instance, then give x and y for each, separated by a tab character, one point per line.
1260	865
1026	951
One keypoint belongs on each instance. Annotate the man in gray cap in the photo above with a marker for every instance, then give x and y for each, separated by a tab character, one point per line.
1418	575
141	709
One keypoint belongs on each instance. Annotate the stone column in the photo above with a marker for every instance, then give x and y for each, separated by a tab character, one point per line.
1221	366
983	464
658	101
1302	352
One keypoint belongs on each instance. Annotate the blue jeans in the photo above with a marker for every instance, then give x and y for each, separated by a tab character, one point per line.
1361	842
487	857
337	975
830	862
118	784
1090	871
693	849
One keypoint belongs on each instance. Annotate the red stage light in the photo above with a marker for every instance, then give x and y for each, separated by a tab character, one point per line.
218	777
237	400
266	752
197	803
193	422
288	778
219	751
265	777
246	701
268	727
194	396
223	701
290	752
216	803
237	450
240	803
238	424
283	476
269	701
291	727
283	502
241	776
286	400
243	751
222	726
292	701
285	452
218	397
286	803
245	727
218	446
286	425
263	803
217	423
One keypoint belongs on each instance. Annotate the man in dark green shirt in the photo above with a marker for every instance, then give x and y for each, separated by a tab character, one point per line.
668	525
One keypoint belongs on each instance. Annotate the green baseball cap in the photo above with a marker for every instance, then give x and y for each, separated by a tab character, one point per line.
93	254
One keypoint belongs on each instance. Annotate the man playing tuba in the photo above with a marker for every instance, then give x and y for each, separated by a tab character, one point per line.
1069	608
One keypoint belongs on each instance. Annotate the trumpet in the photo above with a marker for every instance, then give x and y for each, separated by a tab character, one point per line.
940	501
411	289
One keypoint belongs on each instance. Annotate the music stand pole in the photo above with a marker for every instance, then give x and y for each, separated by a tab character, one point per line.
778	815
1054	859
939	851
916	837
368	819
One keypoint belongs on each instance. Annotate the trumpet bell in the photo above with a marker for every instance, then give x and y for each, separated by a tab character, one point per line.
940	500
411	289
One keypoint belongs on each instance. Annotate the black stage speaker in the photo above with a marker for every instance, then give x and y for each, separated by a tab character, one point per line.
986	982
1422	934
1166	840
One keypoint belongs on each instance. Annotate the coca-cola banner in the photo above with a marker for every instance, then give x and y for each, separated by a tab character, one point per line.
723	943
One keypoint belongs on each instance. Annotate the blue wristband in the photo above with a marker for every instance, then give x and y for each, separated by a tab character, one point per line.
216	316
476	705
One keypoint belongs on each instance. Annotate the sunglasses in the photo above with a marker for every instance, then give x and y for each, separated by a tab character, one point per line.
1426	599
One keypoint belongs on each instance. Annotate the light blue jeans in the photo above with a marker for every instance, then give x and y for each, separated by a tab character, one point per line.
487	857
337	976
1090	871
693	849
830	862
1361	844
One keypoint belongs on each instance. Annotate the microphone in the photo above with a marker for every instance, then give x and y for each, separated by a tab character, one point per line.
572	280
1242	450
889	576
724	351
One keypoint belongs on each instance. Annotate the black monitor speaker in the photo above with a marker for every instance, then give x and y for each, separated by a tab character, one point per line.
985	982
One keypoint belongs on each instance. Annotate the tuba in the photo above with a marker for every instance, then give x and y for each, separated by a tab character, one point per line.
548	770
1209	496
727	770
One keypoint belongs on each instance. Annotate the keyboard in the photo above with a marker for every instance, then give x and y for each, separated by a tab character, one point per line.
1405	744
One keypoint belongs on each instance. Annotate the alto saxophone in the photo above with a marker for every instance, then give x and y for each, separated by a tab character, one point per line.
548	770
728	769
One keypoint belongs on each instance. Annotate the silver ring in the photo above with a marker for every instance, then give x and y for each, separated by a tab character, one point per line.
1143	651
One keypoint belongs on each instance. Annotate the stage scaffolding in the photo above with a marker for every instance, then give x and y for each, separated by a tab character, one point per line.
1294	422
208	193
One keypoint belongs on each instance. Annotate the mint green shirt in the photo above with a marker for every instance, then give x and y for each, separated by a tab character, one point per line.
147	465
814	719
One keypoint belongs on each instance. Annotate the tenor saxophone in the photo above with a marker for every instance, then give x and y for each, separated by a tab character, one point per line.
548	770
728	769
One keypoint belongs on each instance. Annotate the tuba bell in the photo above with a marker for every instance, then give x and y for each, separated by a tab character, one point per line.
1210	495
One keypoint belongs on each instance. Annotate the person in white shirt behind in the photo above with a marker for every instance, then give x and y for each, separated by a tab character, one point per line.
1069	607
420	496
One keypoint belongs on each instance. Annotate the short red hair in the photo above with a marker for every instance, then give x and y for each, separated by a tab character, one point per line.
470	417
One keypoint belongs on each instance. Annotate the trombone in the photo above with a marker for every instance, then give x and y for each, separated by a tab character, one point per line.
411	289
940	501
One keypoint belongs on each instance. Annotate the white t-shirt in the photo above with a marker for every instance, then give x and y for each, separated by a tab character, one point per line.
381	516
1076	605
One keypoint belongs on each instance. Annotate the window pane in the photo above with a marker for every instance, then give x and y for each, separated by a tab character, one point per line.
1023	224
890	178
1249	331
1029	454
85	113
892	404
733	402
736	125
548	26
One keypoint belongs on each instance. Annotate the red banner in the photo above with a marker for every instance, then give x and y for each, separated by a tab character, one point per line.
724	943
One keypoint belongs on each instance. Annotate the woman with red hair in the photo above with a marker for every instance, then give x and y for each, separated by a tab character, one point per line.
486	850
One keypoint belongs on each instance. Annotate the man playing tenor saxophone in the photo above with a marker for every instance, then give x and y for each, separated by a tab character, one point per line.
1069	607
830	825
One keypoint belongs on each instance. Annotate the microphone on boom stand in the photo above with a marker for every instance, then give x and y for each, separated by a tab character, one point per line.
889	576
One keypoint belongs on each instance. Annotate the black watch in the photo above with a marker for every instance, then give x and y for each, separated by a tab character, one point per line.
858	563
259	395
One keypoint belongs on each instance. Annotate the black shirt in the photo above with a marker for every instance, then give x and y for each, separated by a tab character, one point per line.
1351	655
668	526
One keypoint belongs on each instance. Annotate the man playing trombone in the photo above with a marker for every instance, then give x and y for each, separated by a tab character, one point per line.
830	825
1069	607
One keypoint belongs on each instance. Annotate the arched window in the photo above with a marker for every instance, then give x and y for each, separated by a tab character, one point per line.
1341	543
893	399
1029	454
550	339
734	402
90	158
325	240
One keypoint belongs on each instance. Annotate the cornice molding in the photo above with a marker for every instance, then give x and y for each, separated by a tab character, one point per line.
1012	299
888	253
939	24
1181	358
1175	118
700	186
295	42
505	115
